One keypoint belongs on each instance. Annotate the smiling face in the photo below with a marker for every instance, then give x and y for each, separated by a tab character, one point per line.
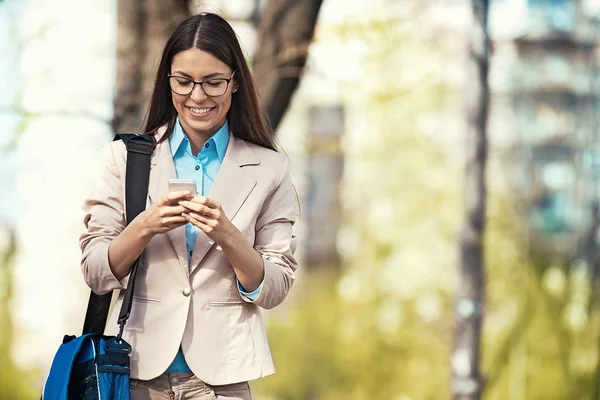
200	115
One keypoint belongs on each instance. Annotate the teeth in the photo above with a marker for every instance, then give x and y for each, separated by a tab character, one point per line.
200	110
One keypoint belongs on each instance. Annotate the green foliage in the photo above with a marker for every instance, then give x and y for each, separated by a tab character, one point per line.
13	381
383	329
335	348
542	324
367	342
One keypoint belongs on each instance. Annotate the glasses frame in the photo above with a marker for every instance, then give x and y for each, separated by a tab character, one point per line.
201	83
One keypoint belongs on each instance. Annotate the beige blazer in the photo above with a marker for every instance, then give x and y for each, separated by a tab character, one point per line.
220	332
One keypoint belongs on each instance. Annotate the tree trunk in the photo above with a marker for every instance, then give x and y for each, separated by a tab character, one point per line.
143	29
467	381
285	31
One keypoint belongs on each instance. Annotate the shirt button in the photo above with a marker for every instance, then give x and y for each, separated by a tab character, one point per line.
207	145
186	292
197	167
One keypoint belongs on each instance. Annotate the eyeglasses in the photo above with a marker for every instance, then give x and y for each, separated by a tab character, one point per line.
212	87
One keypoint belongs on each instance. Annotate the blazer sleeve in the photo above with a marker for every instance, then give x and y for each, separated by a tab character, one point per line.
276	243
104	220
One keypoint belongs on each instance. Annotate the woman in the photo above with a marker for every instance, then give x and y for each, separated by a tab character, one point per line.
210	260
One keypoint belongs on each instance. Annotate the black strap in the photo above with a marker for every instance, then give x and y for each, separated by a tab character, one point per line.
137	176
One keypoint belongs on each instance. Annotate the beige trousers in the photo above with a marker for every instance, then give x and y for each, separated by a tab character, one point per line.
185	386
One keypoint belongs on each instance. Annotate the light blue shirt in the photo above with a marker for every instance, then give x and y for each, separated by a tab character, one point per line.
203	170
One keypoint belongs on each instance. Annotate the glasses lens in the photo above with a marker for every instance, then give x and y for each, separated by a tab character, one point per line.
181	85
215	87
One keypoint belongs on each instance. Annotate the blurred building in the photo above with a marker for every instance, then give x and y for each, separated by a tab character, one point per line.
545	110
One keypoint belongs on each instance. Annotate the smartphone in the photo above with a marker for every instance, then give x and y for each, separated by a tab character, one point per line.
176	185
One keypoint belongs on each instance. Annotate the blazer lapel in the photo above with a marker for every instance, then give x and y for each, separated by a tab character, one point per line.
162	169
231	188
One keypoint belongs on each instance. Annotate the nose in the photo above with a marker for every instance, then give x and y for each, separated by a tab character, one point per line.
198	94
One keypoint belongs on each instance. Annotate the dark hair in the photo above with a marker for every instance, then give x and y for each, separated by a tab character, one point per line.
211	33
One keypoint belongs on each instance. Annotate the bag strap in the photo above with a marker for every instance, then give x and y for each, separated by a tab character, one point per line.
137	177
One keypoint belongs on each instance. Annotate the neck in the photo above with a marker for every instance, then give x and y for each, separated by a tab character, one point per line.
197	139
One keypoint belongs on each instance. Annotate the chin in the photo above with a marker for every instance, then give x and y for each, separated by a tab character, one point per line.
204	126
207	123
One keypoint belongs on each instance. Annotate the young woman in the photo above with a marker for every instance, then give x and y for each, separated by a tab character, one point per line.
210	260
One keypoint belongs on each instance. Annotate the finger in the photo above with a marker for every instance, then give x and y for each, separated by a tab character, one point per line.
207	201
205	224
200	209
175	196
166	211
206	220
172	220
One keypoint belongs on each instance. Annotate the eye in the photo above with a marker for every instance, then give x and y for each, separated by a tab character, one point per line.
183	81
215	82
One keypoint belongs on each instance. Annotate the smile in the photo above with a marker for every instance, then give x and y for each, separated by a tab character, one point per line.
200	111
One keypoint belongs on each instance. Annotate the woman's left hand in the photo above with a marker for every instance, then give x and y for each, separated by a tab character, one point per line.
207	214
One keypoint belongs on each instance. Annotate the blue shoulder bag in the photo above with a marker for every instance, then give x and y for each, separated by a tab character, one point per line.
94	366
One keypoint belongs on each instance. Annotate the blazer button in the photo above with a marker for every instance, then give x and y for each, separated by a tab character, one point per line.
186	292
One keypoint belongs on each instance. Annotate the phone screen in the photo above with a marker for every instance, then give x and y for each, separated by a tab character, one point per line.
176	185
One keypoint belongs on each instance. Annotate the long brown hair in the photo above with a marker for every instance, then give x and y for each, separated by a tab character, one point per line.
211	33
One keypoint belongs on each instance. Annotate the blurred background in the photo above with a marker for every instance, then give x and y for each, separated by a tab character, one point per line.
450	211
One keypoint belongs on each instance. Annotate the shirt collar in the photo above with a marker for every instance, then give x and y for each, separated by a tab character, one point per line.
220	139
177	138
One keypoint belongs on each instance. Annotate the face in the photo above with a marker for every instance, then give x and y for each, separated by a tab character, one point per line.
201	115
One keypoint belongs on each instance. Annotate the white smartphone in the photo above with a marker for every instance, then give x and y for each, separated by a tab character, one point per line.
176	185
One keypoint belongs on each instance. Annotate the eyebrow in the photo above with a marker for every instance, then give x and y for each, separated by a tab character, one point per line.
213	75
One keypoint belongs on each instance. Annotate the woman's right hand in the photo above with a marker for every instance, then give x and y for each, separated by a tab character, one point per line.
165	215
162	217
